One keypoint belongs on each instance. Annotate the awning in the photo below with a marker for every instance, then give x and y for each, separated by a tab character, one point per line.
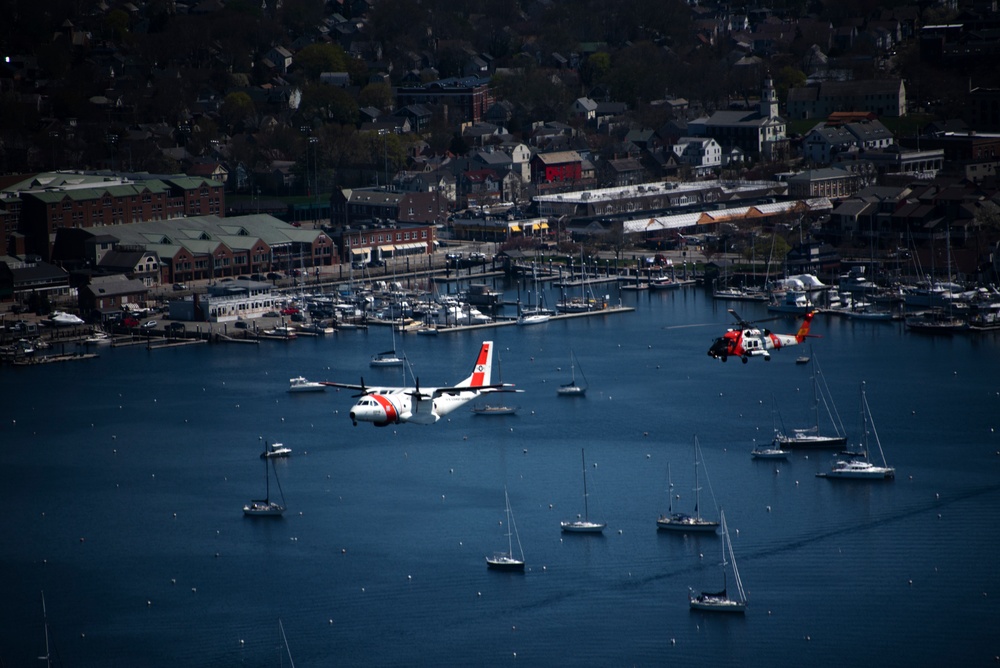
544	226
410	246
387	249
515	228
360	252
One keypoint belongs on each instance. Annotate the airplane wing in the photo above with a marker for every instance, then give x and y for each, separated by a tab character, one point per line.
498	387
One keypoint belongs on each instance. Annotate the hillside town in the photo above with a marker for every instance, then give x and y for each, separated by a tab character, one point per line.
157	146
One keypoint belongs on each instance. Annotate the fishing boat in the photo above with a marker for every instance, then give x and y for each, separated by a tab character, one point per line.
682	521
572	389
300	384
720	601
859	466
506	561
811	437
583	525
266	507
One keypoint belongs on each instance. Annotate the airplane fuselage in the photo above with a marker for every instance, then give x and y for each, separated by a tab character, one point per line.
383	407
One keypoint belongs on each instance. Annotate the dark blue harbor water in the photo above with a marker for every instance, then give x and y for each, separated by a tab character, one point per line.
124	480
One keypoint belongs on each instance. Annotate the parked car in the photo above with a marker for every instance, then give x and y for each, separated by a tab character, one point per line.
377	263
273	276
149	324
180	286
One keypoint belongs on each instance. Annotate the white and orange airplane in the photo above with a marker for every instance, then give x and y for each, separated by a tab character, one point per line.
383	406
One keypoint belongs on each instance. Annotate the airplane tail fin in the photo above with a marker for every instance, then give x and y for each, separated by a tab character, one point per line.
803	332
482	372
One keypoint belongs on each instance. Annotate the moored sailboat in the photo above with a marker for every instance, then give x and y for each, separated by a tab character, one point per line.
266	507
506	561
812	437
572	388
721	601
583	525
682	521
860	467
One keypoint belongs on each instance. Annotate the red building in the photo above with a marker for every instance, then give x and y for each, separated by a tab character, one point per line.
121	202
560	166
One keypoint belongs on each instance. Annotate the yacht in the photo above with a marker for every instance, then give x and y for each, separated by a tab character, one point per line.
300	384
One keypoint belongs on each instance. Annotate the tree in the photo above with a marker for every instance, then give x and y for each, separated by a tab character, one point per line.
315	59
378	95
235	109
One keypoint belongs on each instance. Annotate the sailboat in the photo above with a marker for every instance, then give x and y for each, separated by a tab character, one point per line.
388	357
506	561
571	389
535	314
682	521
720	601
774	451
811	437
266	507
859	467
583	525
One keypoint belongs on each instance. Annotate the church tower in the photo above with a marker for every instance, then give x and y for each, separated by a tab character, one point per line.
768	100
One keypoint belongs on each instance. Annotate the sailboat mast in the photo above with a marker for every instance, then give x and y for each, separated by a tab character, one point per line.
45	617
697	487
583	461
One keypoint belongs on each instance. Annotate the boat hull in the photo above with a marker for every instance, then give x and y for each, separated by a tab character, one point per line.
714	604
505	563
816	442
689	524
262	509
769	454
582	526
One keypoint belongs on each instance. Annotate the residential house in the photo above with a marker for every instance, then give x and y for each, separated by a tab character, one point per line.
702	155
823	144
104	297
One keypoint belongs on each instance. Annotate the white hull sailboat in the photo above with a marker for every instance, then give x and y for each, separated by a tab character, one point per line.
811	437
860	467
388	358
720	601
506	561
583	524
572	388
682	521
266	507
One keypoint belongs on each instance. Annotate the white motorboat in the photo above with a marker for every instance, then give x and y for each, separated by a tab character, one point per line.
301	384
276	450
538	318
63	319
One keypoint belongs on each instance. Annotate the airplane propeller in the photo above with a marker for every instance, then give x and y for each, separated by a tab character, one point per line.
364	390
416	393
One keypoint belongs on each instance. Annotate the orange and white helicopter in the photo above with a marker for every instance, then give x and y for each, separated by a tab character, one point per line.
746	341
383	406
